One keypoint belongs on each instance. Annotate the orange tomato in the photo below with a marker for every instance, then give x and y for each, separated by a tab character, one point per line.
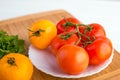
14	66
41	33
72	59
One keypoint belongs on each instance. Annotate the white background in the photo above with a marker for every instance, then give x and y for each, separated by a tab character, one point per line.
104	12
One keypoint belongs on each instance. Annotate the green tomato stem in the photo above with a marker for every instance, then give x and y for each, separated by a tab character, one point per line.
36	33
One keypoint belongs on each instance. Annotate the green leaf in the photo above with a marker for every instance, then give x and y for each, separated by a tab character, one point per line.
9	44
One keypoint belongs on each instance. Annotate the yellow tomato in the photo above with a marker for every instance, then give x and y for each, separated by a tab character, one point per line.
15	66
41	33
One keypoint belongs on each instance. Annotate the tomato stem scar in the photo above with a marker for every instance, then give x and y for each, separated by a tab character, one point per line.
11	61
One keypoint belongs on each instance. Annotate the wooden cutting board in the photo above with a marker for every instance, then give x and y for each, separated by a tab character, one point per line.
19	26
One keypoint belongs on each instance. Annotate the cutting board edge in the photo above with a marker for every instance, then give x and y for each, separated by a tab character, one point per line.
32	16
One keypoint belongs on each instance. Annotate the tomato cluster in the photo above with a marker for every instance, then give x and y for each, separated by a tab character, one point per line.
74	44
77	45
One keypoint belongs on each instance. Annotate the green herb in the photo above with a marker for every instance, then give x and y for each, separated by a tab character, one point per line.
10	44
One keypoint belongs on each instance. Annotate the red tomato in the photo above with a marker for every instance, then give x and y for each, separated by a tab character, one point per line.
97	30
99	51
63	25
72	59
92	30
63	39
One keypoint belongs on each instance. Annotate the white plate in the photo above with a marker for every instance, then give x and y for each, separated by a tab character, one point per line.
45	61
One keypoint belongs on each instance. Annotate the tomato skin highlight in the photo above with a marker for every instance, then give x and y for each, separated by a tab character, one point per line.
72	59
61	27
58	42
99	51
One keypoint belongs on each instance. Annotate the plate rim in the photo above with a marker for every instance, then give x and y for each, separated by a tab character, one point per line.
73	76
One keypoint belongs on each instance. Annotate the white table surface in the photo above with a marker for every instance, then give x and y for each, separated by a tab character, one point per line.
104	12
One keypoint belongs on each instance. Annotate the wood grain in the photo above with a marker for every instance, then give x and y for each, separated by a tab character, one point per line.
19	26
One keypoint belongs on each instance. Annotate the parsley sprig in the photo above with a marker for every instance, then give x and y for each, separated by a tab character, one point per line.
10	43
